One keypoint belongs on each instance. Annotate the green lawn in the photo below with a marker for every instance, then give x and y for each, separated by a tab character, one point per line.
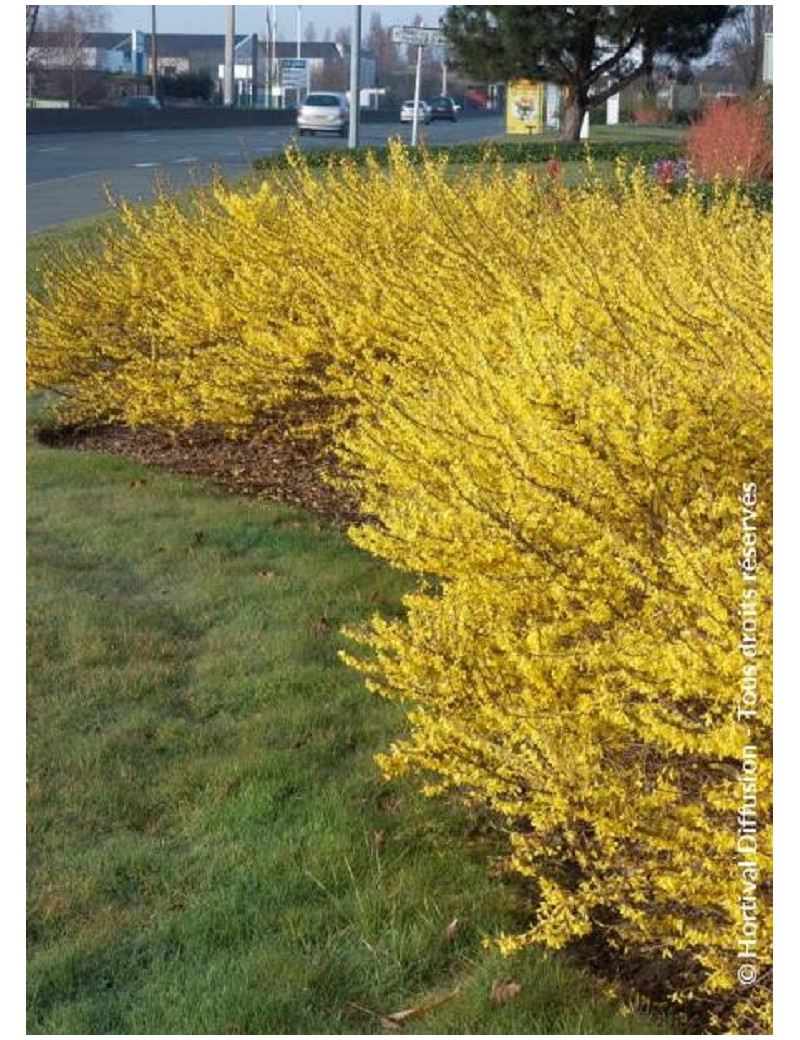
211	848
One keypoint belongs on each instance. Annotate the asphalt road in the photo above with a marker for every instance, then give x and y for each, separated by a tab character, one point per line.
68	173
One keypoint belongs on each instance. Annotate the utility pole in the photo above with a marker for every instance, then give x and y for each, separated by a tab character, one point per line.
355	91
154	51
275	44
268	62
230	28
299	27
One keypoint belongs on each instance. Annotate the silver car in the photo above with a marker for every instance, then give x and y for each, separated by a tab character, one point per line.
323	113
407	112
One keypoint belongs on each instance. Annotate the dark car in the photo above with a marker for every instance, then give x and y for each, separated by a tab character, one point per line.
141	101
444	108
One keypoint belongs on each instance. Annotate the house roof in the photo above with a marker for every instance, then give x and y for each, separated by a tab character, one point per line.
284	49
169	44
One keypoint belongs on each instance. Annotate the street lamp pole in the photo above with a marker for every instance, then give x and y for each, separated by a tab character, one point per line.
355	91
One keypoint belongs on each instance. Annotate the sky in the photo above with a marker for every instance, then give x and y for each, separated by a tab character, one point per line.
210	18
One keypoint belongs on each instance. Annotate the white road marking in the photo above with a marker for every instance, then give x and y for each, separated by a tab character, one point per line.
55	148
187	159
145	165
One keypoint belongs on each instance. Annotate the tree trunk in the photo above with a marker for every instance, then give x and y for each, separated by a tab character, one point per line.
648	72
574	112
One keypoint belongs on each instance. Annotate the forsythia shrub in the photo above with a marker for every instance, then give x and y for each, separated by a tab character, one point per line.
551	403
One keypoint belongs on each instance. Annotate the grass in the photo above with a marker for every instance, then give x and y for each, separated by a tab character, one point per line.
211	848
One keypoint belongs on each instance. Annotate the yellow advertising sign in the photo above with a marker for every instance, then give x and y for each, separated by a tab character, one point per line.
525	107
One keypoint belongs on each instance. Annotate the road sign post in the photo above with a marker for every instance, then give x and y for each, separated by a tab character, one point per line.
417	78
418	36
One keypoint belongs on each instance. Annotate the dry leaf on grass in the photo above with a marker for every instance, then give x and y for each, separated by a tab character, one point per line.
503	991
398	1019
451	929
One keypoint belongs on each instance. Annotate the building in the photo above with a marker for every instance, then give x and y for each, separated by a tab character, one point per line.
327	68
328	64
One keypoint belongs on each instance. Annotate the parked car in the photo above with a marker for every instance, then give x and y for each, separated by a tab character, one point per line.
322	112
141	101
444	108
407	112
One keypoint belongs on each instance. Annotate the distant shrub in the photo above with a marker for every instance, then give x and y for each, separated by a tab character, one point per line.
196	85
732	140
651	116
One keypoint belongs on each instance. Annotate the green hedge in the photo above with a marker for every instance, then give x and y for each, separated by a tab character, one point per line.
509	151
760	194
647	153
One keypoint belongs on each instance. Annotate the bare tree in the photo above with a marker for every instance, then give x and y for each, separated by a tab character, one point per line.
31	17
64	41
384	50
310	33
743	43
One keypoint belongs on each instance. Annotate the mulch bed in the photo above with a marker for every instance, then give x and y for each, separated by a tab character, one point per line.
286	470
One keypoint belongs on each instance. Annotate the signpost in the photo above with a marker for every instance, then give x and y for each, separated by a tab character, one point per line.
294	76
418	36
294	73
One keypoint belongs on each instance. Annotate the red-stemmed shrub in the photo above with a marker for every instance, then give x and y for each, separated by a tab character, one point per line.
732	140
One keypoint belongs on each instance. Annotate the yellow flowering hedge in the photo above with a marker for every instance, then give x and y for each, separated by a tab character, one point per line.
556	408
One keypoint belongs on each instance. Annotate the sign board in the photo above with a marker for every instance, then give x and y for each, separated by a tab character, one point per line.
553	105
294	73
524	105
767	72
417	36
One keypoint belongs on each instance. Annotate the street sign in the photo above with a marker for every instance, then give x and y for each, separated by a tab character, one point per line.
294	73
418	36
